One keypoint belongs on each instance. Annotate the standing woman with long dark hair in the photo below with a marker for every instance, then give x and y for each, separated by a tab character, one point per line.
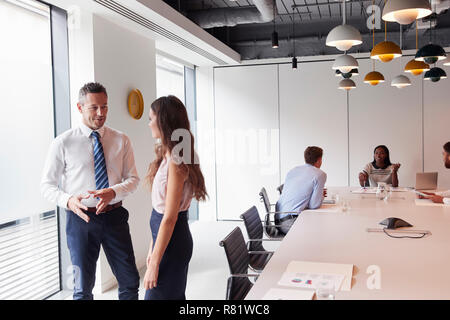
174	179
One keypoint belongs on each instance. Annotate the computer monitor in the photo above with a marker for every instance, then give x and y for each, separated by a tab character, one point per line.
426	180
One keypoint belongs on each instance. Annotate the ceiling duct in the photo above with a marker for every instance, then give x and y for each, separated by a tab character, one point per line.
440	5
230	17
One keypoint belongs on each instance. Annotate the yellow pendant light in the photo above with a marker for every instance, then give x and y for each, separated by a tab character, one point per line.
387	50
373	78
415	67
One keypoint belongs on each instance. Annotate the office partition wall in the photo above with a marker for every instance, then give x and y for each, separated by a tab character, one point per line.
247	139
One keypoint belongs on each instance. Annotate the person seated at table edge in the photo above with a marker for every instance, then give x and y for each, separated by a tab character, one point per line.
380	169
303	188
443	196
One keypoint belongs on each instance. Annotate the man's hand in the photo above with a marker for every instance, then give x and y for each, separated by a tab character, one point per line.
437	199
75	205
427	193
105	195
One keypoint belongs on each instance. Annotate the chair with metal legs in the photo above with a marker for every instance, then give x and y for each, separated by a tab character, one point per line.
272	225
238	256
255	231
280	188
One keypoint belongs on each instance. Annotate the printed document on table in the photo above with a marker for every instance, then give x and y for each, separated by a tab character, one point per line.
308	280
324	268
288	294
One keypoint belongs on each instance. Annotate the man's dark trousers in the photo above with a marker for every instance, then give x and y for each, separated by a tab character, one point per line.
111	231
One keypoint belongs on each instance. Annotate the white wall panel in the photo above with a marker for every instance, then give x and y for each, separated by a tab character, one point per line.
313	112
247	142
386	115
437	126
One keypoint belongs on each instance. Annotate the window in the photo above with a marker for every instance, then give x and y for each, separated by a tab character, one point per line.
169	78
29	249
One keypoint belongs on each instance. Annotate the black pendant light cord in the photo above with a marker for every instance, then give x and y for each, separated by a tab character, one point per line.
274	5
293	29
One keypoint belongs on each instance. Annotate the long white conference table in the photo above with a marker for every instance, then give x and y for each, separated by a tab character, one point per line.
409	268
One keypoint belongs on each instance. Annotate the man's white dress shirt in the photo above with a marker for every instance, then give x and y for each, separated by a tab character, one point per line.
69	169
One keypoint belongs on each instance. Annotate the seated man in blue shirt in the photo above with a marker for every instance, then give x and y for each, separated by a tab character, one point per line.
303	188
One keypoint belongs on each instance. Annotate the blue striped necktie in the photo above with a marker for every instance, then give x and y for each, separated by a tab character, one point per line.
101	175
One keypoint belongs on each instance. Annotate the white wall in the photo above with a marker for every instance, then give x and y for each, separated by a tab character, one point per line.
437	127
385	115
205	140
312	111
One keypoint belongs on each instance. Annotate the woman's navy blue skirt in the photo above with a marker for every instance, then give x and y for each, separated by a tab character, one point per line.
173	269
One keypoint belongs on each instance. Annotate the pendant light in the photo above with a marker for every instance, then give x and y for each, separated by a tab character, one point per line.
345	63
373	78
435	74
348	75
431	53
274	33
406	11
401	81
416	67
347	84
344	36
294	58
387	50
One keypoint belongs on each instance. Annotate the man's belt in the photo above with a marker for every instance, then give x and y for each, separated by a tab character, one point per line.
109	207
288	217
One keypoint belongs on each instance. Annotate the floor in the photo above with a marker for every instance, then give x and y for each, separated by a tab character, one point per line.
208	269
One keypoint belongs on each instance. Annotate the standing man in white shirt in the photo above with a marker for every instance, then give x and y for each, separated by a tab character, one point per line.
89	171
443	196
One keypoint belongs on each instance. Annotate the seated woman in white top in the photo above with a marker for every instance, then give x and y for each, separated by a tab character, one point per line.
380	170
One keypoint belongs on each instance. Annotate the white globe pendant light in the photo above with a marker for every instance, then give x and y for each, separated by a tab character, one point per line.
343	37
401	82
406	11
345	63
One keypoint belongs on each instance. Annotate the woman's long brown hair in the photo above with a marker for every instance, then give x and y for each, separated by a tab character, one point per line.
171	115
